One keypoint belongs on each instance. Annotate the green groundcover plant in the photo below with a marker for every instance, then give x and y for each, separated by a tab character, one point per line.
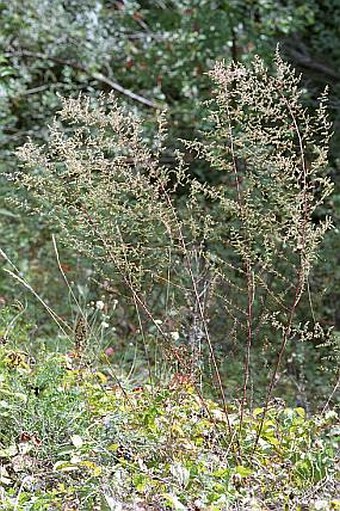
72	438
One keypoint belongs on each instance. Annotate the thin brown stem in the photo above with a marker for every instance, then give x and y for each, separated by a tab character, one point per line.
249	278
301	279
332	394
200	307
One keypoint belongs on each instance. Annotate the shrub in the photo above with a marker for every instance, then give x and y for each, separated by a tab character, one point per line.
207	267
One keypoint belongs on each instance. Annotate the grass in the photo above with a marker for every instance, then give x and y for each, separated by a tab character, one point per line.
72	438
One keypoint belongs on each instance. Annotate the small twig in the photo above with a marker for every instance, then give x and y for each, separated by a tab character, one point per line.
13	321
34	90
54	241
335	388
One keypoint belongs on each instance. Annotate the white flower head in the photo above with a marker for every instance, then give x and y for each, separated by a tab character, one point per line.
100	305
174	335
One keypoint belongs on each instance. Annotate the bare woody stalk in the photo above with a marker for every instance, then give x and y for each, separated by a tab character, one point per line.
188	266
249	277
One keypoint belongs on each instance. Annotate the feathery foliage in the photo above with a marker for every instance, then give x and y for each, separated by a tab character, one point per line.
207	266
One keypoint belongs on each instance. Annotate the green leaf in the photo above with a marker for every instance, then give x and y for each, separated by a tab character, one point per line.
174	502
65	466
243	471
9	451
301	412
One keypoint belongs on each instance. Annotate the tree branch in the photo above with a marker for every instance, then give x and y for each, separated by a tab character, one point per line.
99	77
303	59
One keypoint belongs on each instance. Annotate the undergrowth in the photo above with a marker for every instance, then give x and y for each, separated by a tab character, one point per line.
72	438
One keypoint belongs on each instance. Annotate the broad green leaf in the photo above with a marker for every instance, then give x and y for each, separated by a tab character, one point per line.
91	467
64	466
301	412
